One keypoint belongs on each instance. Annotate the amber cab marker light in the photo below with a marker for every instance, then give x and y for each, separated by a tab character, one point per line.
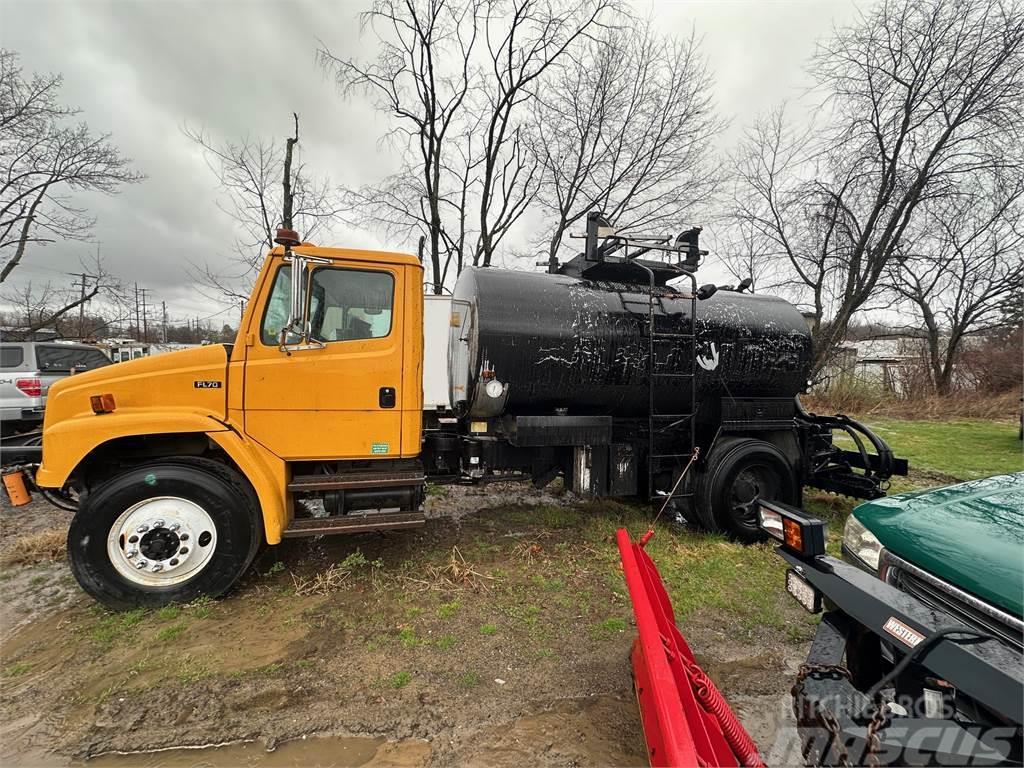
103	403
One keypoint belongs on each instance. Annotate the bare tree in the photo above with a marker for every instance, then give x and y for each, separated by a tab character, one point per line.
456	79
421	77
625	127
961	268
525	39
43	160
743	253
37	306
263	187
919	97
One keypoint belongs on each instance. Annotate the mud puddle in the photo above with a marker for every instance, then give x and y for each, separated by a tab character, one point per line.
310	752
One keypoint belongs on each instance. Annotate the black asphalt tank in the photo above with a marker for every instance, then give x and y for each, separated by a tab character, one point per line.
528	343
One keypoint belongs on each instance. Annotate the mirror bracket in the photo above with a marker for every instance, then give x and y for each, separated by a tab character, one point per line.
298	323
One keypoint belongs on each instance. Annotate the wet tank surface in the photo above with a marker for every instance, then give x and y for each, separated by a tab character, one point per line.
497	635
557	341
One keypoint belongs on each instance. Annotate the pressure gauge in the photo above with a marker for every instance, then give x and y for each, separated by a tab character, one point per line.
494	388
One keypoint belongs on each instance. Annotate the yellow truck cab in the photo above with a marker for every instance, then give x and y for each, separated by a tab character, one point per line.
185	462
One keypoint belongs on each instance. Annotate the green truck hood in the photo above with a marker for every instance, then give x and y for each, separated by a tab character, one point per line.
971	535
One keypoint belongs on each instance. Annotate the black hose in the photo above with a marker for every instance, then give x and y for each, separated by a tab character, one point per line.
919	650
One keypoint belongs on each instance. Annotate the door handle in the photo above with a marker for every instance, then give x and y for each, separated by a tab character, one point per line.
387	397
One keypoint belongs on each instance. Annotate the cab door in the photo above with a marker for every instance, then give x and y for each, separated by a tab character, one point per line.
339	399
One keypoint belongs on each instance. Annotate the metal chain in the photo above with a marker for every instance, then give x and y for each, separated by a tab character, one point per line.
824	716
879	720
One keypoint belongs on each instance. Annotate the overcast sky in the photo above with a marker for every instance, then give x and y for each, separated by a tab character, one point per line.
140	69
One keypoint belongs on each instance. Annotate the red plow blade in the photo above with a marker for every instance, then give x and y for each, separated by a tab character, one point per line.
686	720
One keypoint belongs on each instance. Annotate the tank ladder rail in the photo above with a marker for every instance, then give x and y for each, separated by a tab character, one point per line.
659	423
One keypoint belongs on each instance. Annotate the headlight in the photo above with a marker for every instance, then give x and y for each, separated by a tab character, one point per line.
862	543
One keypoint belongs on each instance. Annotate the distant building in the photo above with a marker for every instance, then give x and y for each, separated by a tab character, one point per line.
14	333
122	350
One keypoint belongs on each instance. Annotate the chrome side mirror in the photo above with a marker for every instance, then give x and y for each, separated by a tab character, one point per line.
296	331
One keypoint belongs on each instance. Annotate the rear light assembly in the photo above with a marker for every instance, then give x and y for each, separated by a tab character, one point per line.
799	533
31	387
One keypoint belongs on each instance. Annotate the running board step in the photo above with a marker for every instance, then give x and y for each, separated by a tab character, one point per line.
347	480
353	523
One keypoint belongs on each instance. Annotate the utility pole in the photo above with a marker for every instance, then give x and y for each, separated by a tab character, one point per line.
81	301
163	304
138	325
145	316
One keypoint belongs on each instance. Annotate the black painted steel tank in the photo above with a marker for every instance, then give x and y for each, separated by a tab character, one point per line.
527	343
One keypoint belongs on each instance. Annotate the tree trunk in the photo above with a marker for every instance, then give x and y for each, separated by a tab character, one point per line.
286	182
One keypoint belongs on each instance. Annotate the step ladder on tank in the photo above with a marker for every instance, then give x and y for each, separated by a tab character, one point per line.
671	430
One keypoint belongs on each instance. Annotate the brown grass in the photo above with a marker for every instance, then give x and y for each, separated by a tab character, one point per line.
43	547
959	405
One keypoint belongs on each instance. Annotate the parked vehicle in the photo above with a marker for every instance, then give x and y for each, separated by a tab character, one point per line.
602	373
918	656
27	371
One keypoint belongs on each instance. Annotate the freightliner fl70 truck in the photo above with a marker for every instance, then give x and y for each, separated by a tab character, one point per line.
600	372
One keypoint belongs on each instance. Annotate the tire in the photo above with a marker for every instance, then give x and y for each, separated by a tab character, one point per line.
739	472
206	533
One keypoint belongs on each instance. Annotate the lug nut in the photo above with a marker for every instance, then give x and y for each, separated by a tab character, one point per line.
158	523
142	528
141	564
132	552
173	527
157	567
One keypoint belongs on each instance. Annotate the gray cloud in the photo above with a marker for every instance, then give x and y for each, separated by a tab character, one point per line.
141	70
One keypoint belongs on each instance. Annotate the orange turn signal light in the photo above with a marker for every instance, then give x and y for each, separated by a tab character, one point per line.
792	535
103	403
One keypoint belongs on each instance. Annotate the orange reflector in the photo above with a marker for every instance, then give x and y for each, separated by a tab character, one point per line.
103	403
14	484
792	534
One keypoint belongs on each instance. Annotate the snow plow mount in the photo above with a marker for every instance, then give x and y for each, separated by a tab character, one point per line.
861	473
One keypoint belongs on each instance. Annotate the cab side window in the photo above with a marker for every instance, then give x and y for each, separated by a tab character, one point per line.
345	305
349	304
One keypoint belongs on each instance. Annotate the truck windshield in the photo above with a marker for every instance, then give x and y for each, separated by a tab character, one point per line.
55	357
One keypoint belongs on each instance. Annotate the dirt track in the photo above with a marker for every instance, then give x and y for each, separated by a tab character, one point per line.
493	636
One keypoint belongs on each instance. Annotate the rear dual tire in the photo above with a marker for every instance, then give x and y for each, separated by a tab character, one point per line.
739	473
165	532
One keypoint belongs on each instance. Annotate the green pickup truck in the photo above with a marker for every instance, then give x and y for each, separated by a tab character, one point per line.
919	656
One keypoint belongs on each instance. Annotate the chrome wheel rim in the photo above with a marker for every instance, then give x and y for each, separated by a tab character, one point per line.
162	541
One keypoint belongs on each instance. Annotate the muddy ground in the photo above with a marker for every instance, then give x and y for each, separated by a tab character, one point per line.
496	635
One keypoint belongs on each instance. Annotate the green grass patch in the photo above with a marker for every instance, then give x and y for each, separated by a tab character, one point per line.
16	669
167	634
401	679
468	680
447	610
612	626
110	627
964	449
445	642
168	613
407	637
488	630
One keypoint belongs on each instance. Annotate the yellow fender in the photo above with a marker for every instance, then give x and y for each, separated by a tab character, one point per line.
68	443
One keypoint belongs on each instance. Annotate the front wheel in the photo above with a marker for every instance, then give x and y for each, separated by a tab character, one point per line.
740	473
162	533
